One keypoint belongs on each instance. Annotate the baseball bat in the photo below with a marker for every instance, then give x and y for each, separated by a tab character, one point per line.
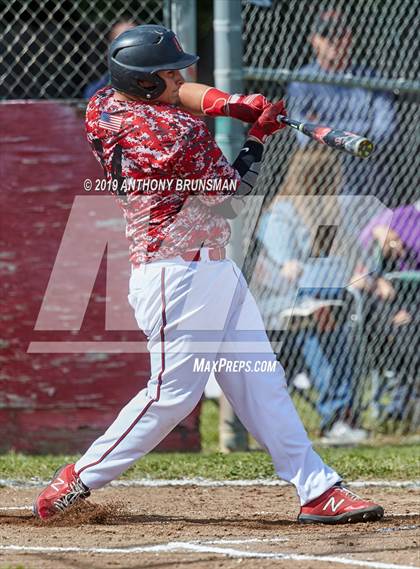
340	139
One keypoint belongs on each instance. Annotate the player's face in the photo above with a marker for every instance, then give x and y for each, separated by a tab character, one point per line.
332	53
173	80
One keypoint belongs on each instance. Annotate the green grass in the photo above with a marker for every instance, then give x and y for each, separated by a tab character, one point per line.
209	426
387	461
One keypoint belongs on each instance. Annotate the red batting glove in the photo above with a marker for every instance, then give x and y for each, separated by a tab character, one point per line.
267	124
246	108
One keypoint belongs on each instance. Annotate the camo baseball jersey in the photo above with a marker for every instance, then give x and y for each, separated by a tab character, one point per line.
158	142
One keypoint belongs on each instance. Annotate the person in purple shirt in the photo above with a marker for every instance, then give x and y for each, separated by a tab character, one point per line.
389	277
398	234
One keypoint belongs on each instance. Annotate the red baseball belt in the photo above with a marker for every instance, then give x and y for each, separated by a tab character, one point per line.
214	254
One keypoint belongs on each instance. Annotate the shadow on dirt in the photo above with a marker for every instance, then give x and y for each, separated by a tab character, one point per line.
116	513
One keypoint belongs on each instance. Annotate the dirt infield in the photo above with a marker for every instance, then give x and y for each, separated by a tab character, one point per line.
197	528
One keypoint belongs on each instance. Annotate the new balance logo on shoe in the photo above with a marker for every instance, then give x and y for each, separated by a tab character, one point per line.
57	483
331	503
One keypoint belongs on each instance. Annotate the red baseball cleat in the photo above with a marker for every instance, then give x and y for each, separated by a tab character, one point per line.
64	489
338	505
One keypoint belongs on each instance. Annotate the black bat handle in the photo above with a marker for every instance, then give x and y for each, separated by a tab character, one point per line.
289	122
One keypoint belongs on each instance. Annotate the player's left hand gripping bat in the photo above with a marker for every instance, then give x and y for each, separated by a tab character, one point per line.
340	139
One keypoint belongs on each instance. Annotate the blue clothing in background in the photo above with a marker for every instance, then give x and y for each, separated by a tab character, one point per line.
286	238
362	111
327	356
94	86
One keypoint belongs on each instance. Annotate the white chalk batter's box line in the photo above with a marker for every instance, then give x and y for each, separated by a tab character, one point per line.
207	483
209	546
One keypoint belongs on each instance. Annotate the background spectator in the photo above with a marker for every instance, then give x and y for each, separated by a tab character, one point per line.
288	267
391	245
359	110
116	30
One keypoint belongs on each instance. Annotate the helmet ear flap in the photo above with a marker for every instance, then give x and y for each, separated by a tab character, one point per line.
153	92
126	80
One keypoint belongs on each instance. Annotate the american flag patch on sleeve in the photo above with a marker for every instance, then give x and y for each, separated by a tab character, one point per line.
110	122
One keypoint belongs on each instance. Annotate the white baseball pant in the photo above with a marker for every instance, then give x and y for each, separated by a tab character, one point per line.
194	310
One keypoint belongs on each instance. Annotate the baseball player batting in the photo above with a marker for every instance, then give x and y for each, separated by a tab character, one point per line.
188	298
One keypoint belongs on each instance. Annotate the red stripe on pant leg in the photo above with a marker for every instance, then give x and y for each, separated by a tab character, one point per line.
162	331
159	379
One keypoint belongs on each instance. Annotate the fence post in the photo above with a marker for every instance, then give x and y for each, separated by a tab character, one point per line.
183	21
229	136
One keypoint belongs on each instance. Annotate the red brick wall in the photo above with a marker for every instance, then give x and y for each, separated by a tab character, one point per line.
55	402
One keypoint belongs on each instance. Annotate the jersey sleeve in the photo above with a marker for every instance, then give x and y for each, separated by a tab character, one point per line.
199	157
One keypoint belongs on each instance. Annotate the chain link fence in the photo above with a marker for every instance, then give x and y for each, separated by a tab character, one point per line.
333	246
54	49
